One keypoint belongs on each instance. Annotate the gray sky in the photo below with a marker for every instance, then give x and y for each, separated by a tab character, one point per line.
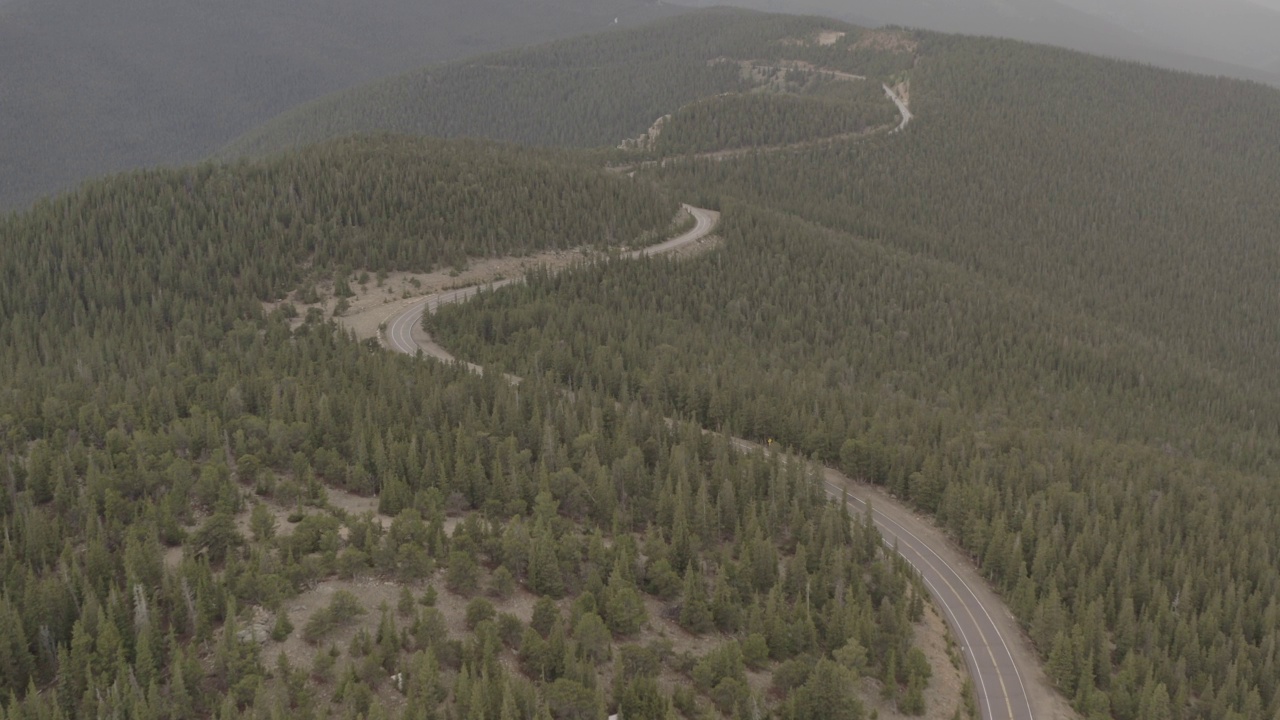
1240	38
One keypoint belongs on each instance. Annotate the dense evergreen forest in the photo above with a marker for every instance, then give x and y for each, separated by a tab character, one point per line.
585	92
1044	313
760	120
179	470
144	244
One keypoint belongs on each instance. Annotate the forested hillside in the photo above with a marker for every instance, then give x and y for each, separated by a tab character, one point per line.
586	92
208	511
730	122
379	203
1045	312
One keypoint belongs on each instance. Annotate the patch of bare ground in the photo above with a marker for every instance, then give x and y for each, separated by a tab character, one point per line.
903	91
942	696
698	247
720	155
356	505
646	140
172	557
822	37
660	627
453	608
278	511
377	300
764	73
886	40
810	67
759	75
371	593
829	37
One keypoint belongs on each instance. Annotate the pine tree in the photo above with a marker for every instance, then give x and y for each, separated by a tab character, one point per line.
16	662
544	567
624	611
695	615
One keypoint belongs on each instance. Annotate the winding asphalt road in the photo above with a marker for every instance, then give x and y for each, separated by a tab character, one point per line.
903	110
400	330
994	648
1008	680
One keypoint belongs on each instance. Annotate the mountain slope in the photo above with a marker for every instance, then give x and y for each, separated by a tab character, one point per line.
1044	312
212	511
92	87
391	202
586	92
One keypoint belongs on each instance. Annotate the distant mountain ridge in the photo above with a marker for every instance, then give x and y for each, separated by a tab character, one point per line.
1233	31
1157	35
96	86
590	91
1083	25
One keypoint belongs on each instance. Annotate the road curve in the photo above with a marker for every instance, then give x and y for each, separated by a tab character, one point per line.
903	110
995	650
999	658
400	330
973	611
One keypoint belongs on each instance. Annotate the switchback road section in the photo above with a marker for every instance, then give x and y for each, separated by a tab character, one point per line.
1007	677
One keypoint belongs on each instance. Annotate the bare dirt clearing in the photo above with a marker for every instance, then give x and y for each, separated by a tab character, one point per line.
943	693
829	37
822	37
647	140
887	41
373	594
355	505
763	73
376	301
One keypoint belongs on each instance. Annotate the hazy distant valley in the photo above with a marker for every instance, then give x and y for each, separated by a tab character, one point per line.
92	88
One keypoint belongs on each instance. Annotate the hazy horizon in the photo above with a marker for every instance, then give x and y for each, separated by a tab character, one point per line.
1235	37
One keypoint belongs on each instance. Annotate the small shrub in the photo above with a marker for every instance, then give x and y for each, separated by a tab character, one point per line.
405	604
510	628
502	585
342	609
755	651
478	610
282	627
